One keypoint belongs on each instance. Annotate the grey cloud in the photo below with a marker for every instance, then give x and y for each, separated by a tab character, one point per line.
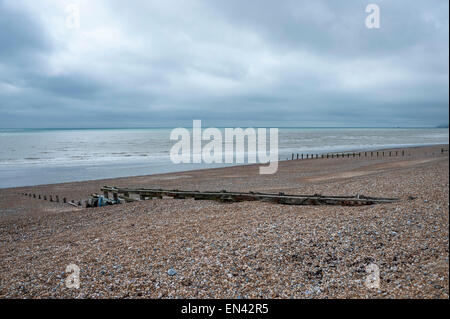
73	85
287	63
21	36
330	27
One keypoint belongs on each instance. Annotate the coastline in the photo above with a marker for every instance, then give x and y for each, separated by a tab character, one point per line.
185	167
58	156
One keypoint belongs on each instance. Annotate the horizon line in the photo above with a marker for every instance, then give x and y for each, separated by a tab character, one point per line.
168	127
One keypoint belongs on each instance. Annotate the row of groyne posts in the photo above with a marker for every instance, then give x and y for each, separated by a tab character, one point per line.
395	153
53	198
94	201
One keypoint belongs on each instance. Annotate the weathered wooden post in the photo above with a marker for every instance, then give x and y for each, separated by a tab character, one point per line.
297	155
292	156
64	200
57	198
389	153
45	197
302	156
51	198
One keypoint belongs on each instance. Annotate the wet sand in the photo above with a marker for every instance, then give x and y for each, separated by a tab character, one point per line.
182	248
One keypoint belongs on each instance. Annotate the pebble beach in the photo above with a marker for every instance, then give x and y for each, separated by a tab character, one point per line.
183	248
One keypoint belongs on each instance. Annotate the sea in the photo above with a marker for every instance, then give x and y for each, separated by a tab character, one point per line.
45	156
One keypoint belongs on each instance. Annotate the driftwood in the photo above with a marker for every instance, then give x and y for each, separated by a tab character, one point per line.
224	196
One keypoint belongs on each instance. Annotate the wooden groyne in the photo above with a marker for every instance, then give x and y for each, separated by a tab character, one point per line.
367	154
125	195
55	199
129	195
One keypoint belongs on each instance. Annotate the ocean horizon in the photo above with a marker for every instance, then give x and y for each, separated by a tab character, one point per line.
36	156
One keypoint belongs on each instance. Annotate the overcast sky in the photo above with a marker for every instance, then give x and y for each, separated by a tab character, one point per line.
226	62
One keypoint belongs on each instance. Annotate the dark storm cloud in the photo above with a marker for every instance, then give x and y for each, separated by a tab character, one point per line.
73	85
20	34
284	63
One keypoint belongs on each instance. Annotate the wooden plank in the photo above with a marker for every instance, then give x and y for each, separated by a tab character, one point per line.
281	198
72	203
